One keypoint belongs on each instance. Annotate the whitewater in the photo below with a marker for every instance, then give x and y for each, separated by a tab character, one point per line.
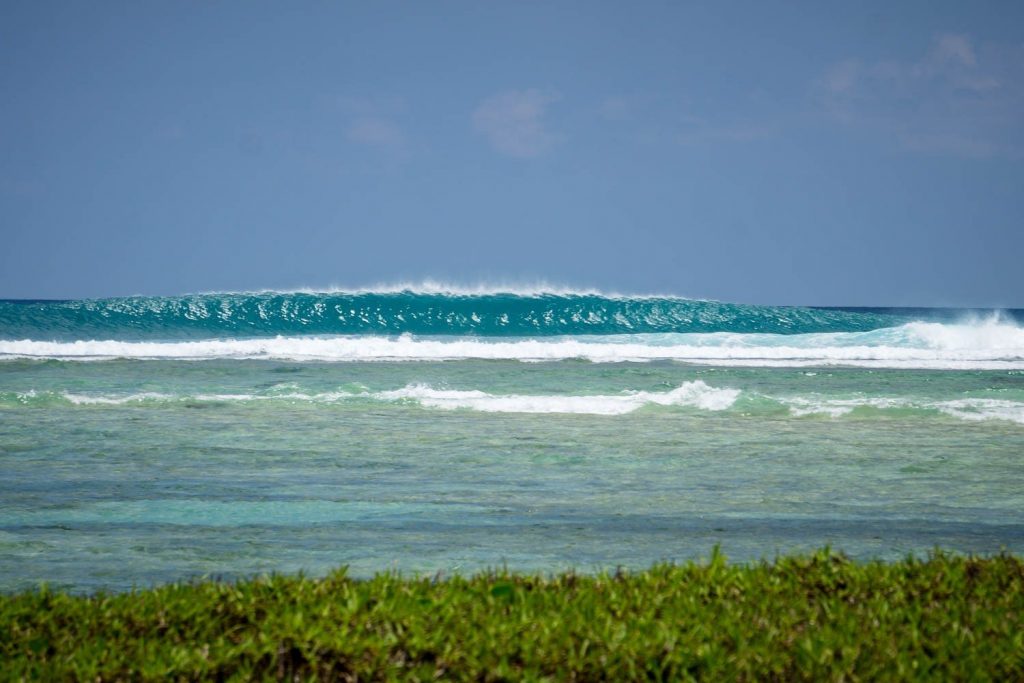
431	428
987	345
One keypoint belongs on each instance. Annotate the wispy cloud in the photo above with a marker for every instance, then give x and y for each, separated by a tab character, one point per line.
375	132
952	47
842	77
371	122
958	98
699	131
513	122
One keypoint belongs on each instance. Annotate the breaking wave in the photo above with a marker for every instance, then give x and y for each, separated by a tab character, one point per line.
991	344
695	394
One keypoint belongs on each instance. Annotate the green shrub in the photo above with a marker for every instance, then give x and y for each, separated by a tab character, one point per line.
819	617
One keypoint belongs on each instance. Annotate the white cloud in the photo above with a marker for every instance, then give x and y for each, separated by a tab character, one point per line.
957	98
952	47
375	132
842	77
371	123
513	122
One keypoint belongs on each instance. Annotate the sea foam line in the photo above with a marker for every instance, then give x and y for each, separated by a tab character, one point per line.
984	345
972	409
696	394
693	394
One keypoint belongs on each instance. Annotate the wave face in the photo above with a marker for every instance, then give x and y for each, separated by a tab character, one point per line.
489	314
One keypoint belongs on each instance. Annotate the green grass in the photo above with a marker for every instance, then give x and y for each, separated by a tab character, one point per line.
820	617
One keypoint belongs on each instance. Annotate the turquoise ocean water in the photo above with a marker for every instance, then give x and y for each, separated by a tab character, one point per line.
145	440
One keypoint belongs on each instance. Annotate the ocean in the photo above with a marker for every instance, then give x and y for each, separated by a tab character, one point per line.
423	430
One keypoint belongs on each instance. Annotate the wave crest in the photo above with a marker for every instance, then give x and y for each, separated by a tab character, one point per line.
695	394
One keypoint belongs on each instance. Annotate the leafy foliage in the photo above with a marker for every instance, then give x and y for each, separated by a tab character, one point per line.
813	618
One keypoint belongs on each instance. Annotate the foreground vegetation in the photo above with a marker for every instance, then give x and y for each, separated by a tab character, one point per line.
816	617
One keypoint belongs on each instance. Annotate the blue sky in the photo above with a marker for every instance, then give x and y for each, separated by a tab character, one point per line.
818	153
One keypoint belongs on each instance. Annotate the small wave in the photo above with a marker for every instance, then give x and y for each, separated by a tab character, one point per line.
693	394
972	409
155	397
86	400
696	394
983	409
837	407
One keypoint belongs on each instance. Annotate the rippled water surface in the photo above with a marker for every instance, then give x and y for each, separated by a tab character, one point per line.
121	473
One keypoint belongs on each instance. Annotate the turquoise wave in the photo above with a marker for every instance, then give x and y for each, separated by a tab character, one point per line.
204	316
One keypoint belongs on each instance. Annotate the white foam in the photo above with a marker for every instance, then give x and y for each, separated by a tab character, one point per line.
149	396
695	394
836	407
992	334
973	409
986	345
983	409
86	399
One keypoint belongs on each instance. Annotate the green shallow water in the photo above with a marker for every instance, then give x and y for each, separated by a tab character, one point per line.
128	473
